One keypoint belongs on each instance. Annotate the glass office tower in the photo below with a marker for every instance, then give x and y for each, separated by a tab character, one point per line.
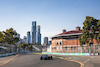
45	40
28	37
34	32
38	35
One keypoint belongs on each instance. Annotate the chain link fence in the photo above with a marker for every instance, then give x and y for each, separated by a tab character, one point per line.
6	48
93	49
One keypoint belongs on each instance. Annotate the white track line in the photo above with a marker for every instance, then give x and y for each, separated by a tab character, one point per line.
86	61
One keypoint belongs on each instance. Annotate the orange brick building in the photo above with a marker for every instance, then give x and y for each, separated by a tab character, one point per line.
68	42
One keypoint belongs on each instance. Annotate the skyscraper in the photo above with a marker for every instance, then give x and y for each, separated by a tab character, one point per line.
34	32
38	35
28	37
24	40
46	41
40	38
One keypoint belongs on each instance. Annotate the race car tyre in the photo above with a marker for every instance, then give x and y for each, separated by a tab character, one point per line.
41	58
51	57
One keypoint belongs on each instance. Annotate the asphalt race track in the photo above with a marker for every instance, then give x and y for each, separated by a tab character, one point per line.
33	60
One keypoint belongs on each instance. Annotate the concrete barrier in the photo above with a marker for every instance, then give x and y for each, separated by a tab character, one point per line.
75	54
8	54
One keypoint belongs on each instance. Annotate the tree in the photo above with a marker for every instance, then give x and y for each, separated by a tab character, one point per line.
10	36
30	47
82	40
1	35
23	46
89	30
97	36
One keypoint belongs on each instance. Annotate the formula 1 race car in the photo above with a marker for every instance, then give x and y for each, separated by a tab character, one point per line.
45	57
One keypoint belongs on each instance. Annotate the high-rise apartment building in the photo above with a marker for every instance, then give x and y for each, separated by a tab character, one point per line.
24	40
34	32
46	41
38	35
28	37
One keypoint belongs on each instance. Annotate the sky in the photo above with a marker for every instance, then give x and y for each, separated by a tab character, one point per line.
52	15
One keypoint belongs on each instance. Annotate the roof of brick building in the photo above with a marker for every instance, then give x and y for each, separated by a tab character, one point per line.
71	32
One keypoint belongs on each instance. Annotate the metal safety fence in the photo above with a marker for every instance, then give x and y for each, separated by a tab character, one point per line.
8	54
93	49
7	48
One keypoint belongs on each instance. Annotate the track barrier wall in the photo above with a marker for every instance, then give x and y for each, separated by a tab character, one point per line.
8	54
14	53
